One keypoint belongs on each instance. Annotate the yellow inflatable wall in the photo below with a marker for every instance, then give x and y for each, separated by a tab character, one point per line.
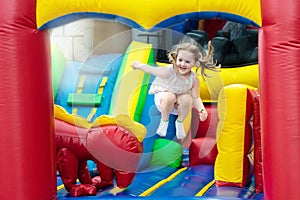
234	135
211	87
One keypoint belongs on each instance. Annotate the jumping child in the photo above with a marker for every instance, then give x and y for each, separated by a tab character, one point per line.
176	86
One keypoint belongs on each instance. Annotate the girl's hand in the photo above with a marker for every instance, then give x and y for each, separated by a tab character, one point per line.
135	64
203	115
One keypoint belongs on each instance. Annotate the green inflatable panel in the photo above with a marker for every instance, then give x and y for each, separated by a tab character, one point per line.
166	153
84	99
58	66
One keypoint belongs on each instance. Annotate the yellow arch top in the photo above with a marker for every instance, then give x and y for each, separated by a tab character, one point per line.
145	13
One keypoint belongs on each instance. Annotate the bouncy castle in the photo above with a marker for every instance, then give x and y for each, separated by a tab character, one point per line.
81	125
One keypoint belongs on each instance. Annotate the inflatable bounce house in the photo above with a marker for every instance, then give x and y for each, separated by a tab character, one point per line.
80	124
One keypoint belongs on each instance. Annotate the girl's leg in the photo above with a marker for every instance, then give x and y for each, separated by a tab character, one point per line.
184	106
165	102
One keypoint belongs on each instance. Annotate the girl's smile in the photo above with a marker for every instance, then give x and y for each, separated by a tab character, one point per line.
184	62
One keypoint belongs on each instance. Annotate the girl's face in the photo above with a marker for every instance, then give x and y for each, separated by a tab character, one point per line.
184	62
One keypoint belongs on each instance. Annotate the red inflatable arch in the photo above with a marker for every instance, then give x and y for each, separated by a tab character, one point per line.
26	125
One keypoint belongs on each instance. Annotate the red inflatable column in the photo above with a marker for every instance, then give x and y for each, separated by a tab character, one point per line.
279	57
26	105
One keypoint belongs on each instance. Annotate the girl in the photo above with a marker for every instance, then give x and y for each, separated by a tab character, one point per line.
176	87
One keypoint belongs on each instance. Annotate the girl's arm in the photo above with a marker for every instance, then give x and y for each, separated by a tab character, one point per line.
162	72
198	104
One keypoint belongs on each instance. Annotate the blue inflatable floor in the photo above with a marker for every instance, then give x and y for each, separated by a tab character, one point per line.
163	184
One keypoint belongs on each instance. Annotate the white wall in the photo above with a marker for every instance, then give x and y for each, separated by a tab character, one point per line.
75	39
79	39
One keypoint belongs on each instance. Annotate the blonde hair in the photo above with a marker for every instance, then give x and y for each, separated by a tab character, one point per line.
204	58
